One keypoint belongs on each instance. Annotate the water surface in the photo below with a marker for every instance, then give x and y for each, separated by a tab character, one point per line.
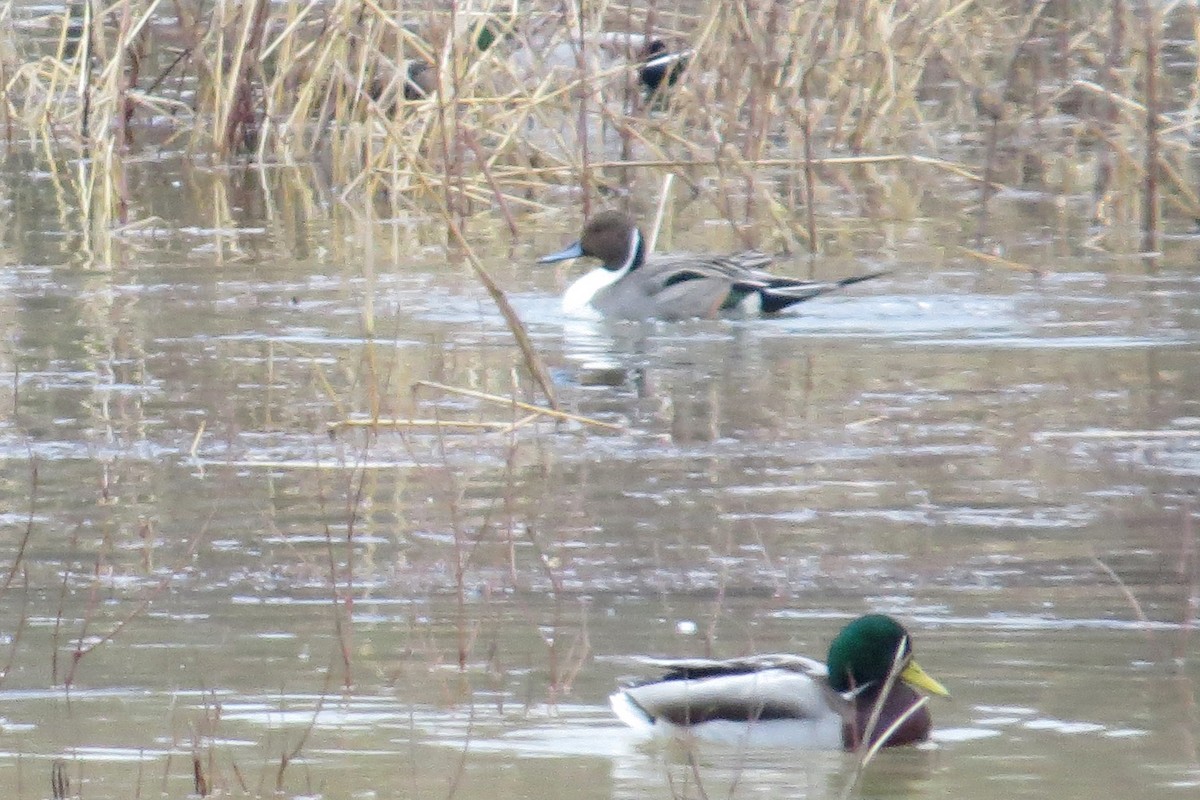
1006	461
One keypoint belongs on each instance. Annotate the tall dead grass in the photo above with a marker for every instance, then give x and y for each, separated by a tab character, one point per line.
775	97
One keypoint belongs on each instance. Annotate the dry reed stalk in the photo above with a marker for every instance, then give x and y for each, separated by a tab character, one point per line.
660	212
83	71
286	758
1117	155
520	423
291	83
514	403
576	25
192	451
995	260
374	422
694	767
1183	197
806	133
892	728
17	567
869	745
565	670
200	783
1152	23
60	783
85	642
1128	594
14	641
341	600
532	361
60	610
19	556
1110	79
236	115
1032	20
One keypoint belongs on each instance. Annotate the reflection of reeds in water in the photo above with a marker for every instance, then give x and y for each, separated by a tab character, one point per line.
552	99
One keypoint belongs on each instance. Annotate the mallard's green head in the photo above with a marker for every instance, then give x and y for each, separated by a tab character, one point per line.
863	653
485	36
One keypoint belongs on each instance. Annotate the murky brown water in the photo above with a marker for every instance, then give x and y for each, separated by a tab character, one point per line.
1008	463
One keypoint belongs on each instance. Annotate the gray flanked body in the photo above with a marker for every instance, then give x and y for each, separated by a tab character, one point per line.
682	286
632	285
773	699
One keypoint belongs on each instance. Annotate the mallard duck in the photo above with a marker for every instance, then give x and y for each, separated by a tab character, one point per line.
633	285
789	699
660	65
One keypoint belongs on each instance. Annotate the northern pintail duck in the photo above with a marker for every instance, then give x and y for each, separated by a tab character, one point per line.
420	80
660	64
631	285
793	700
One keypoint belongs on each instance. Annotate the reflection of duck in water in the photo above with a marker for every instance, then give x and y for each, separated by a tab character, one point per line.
632	285
793	700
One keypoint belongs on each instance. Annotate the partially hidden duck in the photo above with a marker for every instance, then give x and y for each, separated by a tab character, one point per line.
660	65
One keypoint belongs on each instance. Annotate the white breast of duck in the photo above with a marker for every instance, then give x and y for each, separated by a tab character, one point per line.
577	300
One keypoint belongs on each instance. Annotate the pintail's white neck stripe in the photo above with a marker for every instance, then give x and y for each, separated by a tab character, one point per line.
581	293
635	244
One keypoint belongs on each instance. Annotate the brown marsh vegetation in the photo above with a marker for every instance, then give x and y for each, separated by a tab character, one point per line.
789	115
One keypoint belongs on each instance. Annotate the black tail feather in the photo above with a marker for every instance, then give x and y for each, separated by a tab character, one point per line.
861	278
786	292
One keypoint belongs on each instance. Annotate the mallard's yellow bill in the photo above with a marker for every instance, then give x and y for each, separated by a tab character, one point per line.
913	675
